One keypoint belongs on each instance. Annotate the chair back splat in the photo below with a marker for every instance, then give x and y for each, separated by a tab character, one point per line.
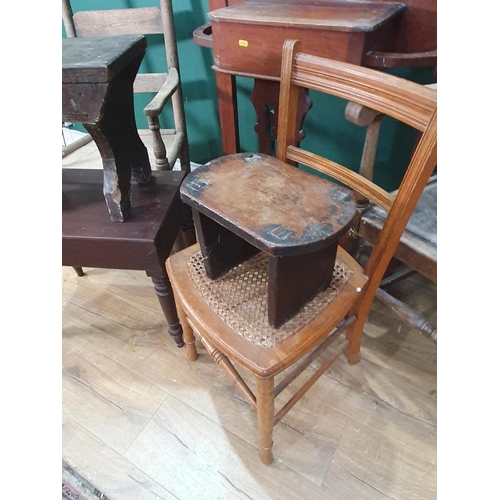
269	286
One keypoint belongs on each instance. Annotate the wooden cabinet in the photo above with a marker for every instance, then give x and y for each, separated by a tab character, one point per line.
248	37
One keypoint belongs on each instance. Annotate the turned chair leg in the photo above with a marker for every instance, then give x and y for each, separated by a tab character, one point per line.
165	296
405	313
265	416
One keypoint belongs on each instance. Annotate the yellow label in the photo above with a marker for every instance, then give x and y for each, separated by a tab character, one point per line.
242	43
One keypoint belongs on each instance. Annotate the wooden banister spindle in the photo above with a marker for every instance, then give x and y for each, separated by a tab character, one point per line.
159	149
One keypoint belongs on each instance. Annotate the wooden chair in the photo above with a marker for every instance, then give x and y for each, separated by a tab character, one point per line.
229	315
147	237
417	249
165	145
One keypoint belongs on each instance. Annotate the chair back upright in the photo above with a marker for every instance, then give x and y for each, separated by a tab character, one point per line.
408	102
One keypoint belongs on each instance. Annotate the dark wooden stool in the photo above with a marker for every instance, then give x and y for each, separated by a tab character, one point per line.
97	90
244	203
91	239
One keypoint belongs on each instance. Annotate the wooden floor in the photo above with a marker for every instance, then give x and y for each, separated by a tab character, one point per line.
141	422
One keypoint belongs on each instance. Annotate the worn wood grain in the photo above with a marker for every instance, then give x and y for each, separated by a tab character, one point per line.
221	464
96	388
279	209
107	470
373	458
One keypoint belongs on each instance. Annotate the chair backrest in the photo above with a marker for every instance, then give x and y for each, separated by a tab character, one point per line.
135	21
129	21
405	101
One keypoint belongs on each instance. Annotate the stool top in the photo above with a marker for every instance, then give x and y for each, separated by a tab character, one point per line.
274	206
98	58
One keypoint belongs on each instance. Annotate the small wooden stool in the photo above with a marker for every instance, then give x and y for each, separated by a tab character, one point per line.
247	202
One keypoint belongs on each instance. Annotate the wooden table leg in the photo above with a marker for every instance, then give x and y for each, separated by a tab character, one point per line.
265	100
165	296
228	112
221	249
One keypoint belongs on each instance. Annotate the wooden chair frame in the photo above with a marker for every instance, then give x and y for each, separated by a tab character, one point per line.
413	251
406	101
168	144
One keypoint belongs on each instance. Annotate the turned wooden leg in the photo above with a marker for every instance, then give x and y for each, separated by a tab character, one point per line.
165	296
159	149
265	416
188	335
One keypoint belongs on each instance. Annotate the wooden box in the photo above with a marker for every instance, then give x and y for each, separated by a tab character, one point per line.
248	37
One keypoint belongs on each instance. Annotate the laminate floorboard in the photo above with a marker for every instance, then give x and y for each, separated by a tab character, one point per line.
142	422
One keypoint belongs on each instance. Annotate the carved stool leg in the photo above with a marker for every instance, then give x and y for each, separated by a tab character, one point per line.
122	151
265	416
294	280
165	296
221	248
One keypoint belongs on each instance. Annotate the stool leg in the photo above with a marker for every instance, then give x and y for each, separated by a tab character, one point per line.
165	296
265	416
